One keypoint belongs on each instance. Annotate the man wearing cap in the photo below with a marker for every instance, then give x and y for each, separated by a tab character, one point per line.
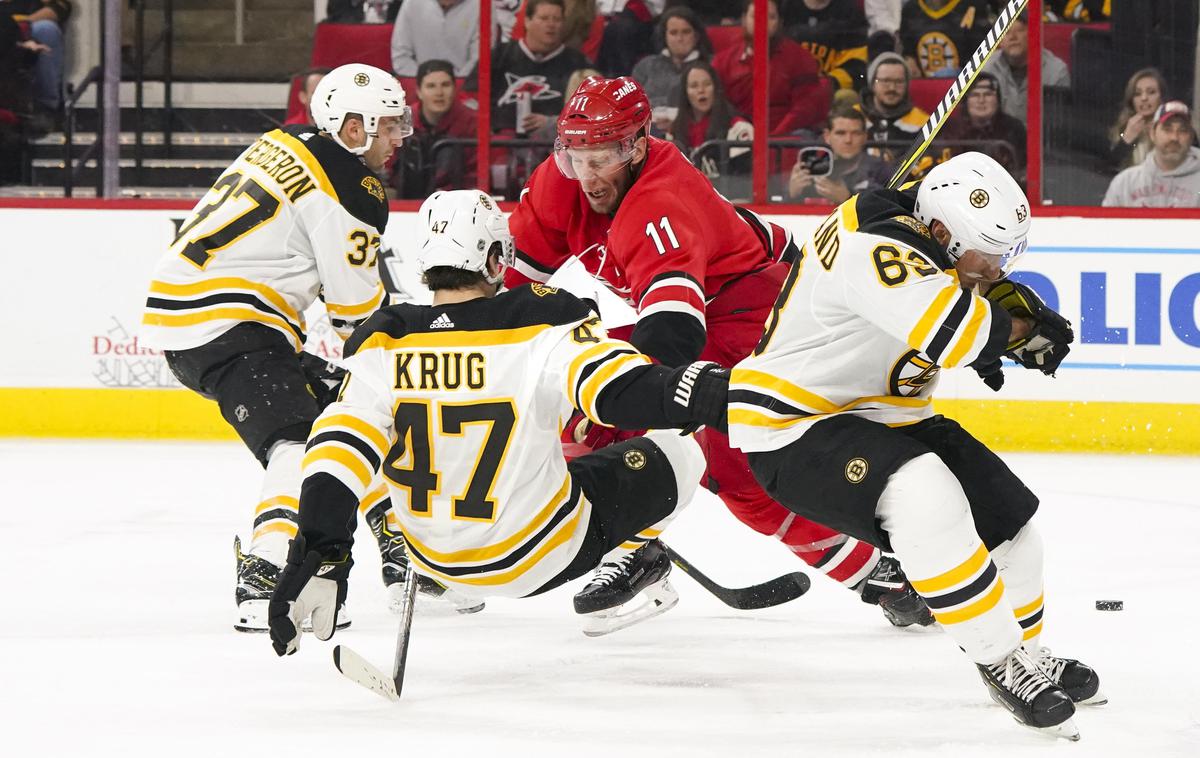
890	114
1169	177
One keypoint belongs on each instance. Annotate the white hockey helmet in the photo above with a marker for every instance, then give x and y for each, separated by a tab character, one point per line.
980	204
358	88
463	228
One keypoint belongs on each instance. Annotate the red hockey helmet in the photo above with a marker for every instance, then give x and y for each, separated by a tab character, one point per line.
602	112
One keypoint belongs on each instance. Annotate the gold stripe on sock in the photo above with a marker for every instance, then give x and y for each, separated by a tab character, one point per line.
956	575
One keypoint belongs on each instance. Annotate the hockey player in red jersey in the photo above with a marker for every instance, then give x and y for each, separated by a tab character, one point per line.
702	275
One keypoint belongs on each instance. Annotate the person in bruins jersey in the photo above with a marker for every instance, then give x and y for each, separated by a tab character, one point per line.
298	216
460	405
835	32
834	412
940	35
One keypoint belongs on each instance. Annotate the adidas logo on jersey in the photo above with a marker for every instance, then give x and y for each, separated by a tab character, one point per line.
442	322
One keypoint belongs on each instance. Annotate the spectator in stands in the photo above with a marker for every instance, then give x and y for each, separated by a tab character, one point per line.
536	67
1169	177
798	96
680	39
939	35
308	78
835	32
704	111
854	169
582	29
1011	68
1144	92
419	169
982	118
46	20
441	29
890	114
15	54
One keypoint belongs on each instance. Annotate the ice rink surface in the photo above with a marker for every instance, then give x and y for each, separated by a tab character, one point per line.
116	635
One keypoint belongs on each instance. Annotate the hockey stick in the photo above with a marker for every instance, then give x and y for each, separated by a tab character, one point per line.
957	90
357	669
777	591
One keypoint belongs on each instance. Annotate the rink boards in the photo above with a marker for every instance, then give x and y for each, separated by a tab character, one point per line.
76	280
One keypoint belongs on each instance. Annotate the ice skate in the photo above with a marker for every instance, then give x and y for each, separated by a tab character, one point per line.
887	587
1019	684
434	596
1079	681
256	578
630	589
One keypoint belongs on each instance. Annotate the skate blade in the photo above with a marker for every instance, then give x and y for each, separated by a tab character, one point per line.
1098	699
1066	730
659	599
358	670
431	605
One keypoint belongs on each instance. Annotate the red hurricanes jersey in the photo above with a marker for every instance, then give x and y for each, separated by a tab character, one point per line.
673	243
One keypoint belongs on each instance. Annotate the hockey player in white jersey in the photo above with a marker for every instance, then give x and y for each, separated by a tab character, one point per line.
834	411
298	216
460	404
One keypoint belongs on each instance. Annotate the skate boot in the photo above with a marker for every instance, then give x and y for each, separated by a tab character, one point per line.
394	558
256	578
609	601
1019	684
1080	682
887	587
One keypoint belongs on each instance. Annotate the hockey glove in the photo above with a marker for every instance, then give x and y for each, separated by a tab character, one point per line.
1050	339
309	585
992	375
700	394
581	431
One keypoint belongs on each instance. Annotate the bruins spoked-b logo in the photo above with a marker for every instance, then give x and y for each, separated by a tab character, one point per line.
856	470
980	198
362	79
635	460
911	374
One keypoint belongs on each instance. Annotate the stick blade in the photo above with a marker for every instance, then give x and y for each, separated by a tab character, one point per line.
357	669
778	591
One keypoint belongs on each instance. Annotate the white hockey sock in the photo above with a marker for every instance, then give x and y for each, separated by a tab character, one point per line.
928	520
277	517
1020	563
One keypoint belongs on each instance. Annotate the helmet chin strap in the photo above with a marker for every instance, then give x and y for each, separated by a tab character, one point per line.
337	137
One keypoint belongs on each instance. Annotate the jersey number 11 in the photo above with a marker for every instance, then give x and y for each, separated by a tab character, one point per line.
652	233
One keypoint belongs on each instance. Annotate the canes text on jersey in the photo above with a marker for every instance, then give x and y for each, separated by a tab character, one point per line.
281	166
440	371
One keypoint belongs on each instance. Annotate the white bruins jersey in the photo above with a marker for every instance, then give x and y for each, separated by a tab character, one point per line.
869	314
460	407
294	218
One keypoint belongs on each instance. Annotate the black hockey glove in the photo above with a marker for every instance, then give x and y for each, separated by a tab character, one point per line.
323	377
700	392
1050	340
309	585
992	375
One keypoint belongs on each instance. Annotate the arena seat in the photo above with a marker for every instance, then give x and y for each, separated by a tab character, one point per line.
1058	38
335	44
927	93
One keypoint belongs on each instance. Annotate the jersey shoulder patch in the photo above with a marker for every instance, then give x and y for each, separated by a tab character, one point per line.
534	304
358	190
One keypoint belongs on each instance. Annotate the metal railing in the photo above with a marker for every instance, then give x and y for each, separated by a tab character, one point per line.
73	92
141	53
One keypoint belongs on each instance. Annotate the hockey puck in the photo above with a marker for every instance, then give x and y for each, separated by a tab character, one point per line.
1110	605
